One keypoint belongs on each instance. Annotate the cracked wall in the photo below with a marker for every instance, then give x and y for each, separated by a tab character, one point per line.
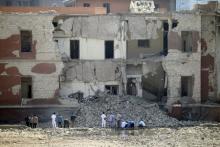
89	76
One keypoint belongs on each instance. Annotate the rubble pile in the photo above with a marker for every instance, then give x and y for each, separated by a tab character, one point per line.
130	107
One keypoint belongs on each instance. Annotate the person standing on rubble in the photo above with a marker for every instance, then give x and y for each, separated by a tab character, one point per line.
31	121
53	118
103	117
35	121
111	120
118	119
27	120
60	121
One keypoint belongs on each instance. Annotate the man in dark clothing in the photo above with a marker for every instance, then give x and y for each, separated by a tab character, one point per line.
27	121
60	121
66	123
31	118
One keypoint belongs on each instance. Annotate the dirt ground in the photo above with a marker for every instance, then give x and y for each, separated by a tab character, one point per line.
197	136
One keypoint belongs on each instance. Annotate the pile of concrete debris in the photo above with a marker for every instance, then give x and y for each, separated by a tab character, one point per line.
130	107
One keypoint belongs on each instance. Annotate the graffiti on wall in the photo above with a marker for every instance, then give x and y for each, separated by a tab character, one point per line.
142	6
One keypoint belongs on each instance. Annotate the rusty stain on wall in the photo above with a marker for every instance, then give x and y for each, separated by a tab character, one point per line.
10	95
44	68
203	45
10	48
13	71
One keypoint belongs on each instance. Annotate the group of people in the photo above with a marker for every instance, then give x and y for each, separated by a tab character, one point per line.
59	121
117	121
31	121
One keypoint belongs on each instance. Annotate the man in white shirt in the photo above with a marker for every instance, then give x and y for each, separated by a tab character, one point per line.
103	117
53	118
124	124
141	124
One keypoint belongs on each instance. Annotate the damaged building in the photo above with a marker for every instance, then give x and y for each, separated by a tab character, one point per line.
141	54
47	54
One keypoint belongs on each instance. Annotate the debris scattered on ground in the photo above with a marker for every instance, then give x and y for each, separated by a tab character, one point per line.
201	135
130	107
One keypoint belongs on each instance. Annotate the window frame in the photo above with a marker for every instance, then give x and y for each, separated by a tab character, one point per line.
143	43
86	5
72	56
107	49
25	45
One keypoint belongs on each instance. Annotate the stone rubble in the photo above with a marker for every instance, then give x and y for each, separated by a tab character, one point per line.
130	107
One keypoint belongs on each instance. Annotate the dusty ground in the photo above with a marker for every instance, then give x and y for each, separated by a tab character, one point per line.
197	136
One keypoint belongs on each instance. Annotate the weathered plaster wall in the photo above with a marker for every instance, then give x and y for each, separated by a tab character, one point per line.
11	24
178	63
43	64
44	81
133	51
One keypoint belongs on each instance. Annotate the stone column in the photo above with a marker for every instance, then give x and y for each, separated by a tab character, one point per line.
173	89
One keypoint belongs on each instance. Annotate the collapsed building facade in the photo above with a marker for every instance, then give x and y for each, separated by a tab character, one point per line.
48	55
159	54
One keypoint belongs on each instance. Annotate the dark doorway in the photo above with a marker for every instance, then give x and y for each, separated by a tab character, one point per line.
74	49
204	85
26	87
131	87
186	86
109	49
112	89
